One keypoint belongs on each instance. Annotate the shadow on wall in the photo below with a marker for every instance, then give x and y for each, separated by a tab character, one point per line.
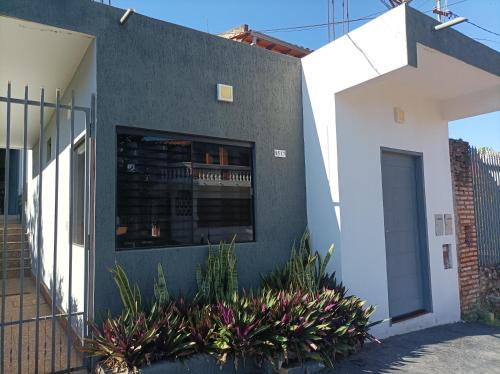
76	321
31	225
321	209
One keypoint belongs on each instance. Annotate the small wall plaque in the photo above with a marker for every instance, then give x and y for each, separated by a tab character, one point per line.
280	153
448	224
439	224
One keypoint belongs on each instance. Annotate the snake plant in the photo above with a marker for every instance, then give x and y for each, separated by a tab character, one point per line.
218	279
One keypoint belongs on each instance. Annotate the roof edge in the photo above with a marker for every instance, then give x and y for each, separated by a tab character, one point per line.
420	29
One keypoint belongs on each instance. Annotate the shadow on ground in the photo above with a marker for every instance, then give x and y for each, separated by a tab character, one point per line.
455	348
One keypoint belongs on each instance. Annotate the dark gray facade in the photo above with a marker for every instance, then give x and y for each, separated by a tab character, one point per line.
160	76
420	29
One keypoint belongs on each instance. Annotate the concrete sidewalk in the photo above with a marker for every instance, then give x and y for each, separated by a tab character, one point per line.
457	348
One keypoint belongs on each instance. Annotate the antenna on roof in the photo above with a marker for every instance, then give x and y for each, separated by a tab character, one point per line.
347	13
343	15
331	21
333	18
440	11
328	10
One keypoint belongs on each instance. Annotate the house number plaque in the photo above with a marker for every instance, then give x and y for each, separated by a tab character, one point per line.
280	153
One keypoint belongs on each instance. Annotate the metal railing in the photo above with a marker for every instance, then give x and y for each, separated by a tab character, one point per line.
485	166
16	334
206	174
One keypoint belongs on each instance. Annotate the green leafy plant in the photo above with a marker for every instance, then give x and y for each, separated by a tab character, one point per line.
242	330
218	280
174	340
129	295
201	326
162	296
139	335
304	271
321	327
125	342
300	313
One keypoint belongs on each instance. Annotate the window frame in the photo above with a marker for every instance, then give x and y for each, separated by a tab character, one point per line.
194	138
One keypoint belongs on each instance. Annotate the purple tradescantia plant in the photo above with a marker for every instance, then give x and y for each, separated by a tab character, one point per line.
299	314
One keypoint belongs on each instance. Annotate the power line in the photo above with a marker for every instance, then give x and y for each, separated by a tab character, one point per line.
482	28
469	22
455	3
365	18
487	40
319	25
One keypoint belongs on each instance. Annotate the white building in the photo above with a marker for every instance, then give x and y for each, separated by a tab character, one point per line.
376	106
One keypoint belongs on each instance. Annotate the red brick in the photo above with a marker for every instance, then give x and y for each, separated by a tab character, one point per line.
464	214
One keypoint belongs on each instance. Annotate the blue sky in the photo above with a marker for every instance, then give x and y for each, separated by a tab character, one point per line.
219	15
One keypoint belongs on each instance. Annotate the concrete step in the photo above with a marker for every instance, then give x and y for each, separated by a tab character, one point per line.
15	264
14	273
14	261
15	254
17	232
11	225
14	245
14	237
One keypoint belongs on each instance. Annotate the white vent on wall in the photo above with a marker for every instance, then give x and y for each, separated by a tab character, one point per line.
225	93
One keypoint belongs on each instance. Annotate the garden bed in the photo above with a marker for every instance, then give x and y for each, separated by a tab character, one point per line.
298	321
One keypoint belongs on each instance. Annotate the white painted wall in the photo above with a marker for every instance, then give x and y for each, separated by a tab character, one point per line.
350	88
365	123
84	85
350	60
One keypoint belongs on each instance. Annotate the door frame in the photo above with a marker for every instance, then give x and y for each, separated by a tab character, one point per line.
425	270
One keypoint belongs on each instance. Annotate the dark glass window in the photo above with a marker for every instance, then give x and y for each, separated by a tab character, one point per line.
175	190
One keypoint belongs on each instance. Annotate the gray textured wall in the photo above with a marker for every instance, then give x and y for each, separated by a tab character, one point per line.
420	29
156	75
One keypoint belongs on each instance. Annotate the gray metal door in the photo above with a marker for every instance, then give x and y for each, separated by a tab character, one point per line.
404	237
42	327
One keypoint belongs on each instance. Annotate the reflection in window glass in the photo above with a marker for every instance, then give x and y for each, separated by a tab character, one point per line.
175	190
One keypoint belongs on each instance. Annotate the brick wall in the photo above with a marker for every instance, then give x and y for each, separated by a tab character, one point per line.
468	271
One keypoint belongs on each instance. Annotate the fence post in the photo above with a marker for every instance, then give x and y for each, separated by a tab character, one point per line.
468	271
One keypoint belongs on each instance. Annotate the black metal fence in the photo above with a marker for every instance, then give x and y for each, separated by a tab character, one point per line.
485	165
